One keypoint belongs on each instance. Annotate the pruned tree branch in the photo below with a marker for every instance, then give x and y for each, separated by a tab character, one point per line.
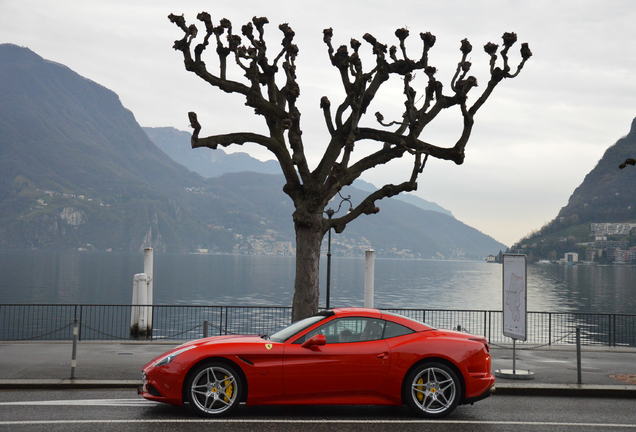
367	206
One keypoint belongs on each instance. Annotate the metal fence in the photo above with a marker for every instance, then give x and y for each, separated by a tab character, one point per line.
112	322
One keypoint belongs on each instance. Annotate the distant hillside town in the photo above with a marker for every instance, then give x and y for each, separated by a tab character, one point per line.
608	243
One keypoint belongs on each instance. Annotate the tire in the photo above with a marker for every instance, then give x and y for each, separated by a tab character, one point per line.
213	389
432	390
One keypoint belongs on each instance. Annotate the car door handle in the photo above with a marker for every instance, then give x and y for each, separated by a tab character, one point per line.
383	355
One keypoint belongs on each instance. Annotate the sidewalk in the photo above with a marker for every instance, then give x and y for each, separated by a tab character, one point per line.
605	371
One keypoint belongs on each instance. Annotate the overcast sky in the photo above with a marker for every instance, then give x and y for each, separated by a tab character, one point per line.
532	144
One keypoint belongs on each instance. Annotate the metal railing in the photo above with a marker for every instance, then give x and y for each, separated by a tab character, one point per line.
112	322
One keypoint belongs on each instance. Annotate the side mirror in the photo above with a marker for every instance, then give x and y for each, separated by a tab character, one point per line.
316	340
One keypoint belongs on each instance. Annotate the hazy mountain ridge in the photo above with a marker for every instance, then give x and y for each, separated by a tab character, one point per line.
607	194
176	144
79	172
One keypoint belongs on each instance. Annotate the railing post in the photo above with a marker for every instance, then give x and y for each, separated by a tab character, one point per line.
205	328
74	317
152	326
74	351
609	329
489	323
79	328
485	319
221	322
578	356
225	326
549	328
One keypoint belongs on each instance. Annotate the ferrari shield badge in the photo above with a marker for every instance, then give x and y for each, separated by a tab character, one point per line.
268	346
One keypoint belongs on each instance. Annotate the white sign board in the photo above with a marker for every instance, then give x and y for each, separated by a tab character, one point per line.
515	289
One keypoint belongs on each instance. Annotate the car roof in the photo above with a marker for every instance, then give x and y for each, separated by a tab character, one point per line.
357	311
376	313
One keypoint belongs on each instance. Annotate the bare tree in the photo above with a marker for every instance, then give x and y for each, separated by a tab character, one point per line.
311	189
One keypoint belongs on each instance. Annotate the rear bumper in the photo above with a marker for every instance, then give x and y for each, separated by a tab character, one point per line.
484	395
487	386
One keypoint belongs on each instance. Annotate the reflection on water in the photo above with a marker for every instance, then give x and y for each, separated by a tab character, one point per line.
236	280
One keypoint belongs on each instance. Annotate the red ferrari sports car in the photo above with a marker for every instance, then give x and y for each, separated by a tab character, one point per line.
341	356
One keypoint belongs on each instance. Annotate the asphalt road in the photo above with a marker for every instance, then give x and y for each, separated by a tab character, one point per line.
122	410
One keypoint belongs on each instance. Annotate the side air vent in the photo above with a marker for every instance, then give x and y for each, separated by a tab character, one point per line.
251	363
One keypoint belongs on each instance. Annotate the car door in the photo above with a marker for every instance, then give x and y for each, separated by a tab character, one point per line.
350	368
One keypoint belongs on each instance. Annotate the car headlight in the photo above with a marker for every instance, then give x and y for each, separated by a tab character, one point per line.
167	359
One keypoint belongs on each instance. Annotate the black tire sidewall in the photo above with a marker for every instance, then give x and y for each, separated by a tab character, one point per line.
195	371
408	395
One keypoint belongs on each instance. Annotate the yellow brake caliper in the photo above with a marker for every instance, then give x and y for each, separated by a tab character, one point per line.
229	389
420	386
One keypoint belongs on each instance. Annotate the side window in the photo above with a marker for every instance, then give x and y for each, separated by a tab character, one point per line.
392	329
350	329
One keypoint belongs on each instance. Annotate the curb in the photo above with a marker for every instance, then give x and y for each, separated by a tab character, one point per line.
57	384
573	390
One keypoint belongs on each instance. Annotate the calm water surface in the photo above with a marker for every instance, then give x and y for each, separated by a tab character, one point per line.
229	279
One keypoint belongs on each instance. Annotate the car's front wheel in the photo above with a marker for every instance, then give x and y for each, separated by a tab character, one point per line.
213	389
432	389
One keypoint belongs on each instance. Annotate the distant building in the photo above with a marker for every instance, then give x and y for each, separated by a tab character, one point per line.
605	229
571	257
622	256
491	259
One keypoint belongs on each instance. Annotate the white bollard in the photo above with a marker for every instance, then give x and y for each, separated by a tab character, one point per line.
134	311
143	300
137	313
369	274
149	271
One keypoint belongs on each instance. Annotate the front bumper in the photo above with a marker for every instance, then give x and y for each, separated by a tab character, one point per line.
149	389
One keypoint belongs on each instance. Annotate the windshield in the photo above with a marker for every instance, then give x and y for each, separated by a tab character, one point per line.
287	332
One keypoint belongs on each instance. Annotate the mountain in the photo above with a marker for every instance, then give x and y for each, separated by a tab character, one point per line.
78	172
606	195
176	144
398	230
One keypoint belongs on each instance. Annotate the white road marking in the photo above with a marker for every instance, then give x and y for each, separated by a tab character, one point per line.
85	402
318	421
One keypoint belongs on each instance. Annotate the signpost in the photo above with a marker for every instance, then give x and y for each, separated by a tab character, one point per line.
515	288
515	311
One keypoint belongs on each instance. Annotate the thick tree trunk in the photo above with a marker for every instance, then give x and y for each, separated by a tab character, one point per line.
306	287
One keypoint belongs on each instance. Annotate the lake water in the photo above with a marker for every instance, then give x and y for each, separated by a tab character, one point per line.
263	280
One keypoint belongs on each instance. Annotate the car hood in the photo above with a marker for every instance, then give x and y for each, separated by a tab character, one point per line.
223	339
214	340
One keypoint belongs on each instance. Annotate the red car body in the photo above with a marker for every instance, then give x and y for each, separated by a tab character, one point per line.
366	372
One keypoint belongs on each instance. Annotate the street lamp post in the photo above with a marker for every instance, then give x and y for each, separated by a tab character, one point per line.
330	212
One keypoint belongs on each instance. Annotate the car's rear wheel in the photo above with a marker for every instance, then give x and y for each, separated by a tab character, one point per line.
213	389
432	389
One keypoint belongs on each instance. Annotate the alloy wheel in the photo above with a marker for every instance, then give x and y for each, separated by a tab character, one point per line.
434	390
214	389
